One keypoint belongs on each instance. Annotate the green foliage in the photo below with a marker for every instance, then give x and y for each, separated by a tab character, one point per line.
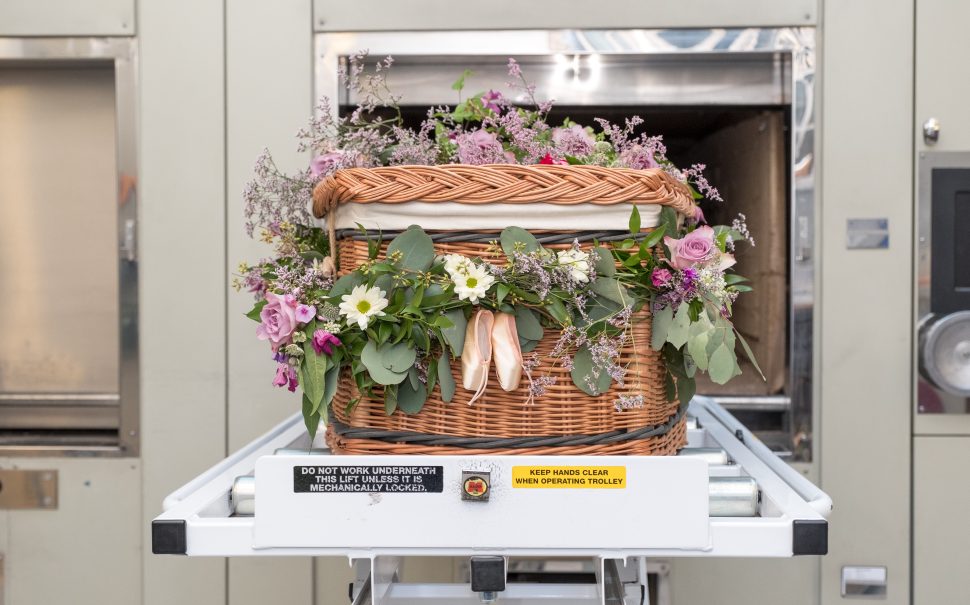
415	248
446	381
635	220
254	314
583	368
517	239
377	359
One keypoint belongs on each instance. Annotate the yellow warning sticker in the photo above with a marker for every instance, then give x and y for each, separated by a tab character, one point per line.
601	477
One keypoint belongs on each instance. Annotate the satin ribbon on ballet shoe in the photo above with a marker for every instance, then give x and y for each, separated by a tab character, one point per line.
476	355
506	352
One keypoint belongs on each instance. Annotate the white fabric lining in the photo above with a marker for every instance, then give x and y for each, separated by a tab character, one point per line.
454	216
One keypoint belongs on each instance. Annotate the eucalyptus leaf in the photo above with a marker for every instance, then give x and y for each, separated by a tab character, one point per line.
385	283
310	418
558	310
686	387
583	367
314	369
677	334
747	351
415	247
330	388
390	399
612	289
527	323
655	236
344	285
635	220
526	345
455	335
602	308
397	358
432	375
446	382
374	362
661	325
721	368
257	308
697	348
670	387
517	235
501	292
605	265
411	394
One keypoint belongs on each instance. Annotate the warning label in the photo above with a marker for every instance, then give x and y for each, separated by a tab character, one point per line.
373	479
602	477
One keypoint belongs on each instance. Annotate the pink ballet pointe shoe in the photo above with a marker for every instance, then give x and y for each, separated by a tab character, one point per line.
506	352
476	355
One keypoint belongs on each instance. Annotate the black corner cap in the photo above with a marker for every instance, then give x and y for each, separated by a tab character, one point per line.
488	574
168	537
810	537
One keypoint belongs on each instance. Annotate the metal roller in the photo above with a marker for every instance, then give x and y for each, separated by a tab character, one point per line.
729	496
715	456
242	496
733	497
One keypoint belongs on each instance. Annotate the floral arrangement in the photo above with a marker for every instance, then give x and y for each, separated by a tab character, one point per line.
398	320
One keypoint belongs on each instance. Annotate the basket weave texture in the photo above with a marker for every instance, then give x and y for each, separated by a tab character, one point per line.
590	424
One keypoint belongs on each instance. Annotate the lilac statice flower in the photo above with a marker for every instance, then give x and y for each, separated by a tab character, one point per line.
274	198
414	148
480	147
695	174
573	140
324	342
740	225
628	401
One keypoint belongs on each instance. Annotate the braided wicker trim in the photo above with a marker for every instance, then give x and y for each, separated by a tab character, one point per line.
618	436
505	183
485	237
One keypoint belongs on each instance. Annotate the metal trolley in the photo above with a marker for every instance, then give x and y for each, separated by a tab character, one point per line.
725	495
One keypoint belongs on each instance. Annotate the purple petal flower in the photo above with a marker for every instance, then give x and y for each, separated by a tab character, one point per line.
323	342
490	100
305	313
282	374
660	277
294	382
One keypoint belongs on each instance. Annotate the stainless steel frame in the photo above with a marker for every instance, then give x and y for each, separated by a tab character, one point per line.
122	53
791	80
924	207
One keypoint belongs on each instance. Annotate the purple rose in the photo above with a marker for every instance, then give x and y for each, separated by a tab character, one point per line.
277	321
480	147
304	313
323	165
695	248
323	342
661	277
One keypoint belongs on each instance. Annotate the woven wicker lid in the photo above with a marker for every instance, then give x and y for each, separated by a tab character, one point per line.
501	183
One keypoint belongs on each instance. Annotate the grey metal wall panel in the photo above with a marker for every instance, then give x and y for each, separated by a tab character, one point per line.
334	16
182	185
940	529
865	353
67	17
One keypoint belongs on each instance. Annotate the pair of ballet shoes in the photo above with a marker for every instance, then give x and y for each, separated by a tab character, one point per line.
491	336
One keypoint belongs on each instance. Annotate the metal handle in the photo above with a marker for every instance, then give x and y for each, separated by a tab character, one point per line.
128	241
931	131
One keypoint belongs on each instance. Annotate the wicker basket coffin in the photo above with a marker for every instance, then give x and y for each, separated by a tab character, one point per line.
563	421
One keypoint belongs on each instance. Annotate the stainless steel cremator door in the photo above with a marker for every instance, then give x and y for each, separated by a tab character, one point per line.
70	479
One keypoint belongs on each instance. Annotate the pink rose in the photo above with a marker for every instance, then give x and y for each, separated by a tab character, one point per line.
278	320
480	147
695	248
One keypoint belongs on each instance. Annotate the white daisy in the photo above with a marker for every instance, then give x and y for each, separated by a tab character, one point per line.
577	262
473	283
456	264
363	303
